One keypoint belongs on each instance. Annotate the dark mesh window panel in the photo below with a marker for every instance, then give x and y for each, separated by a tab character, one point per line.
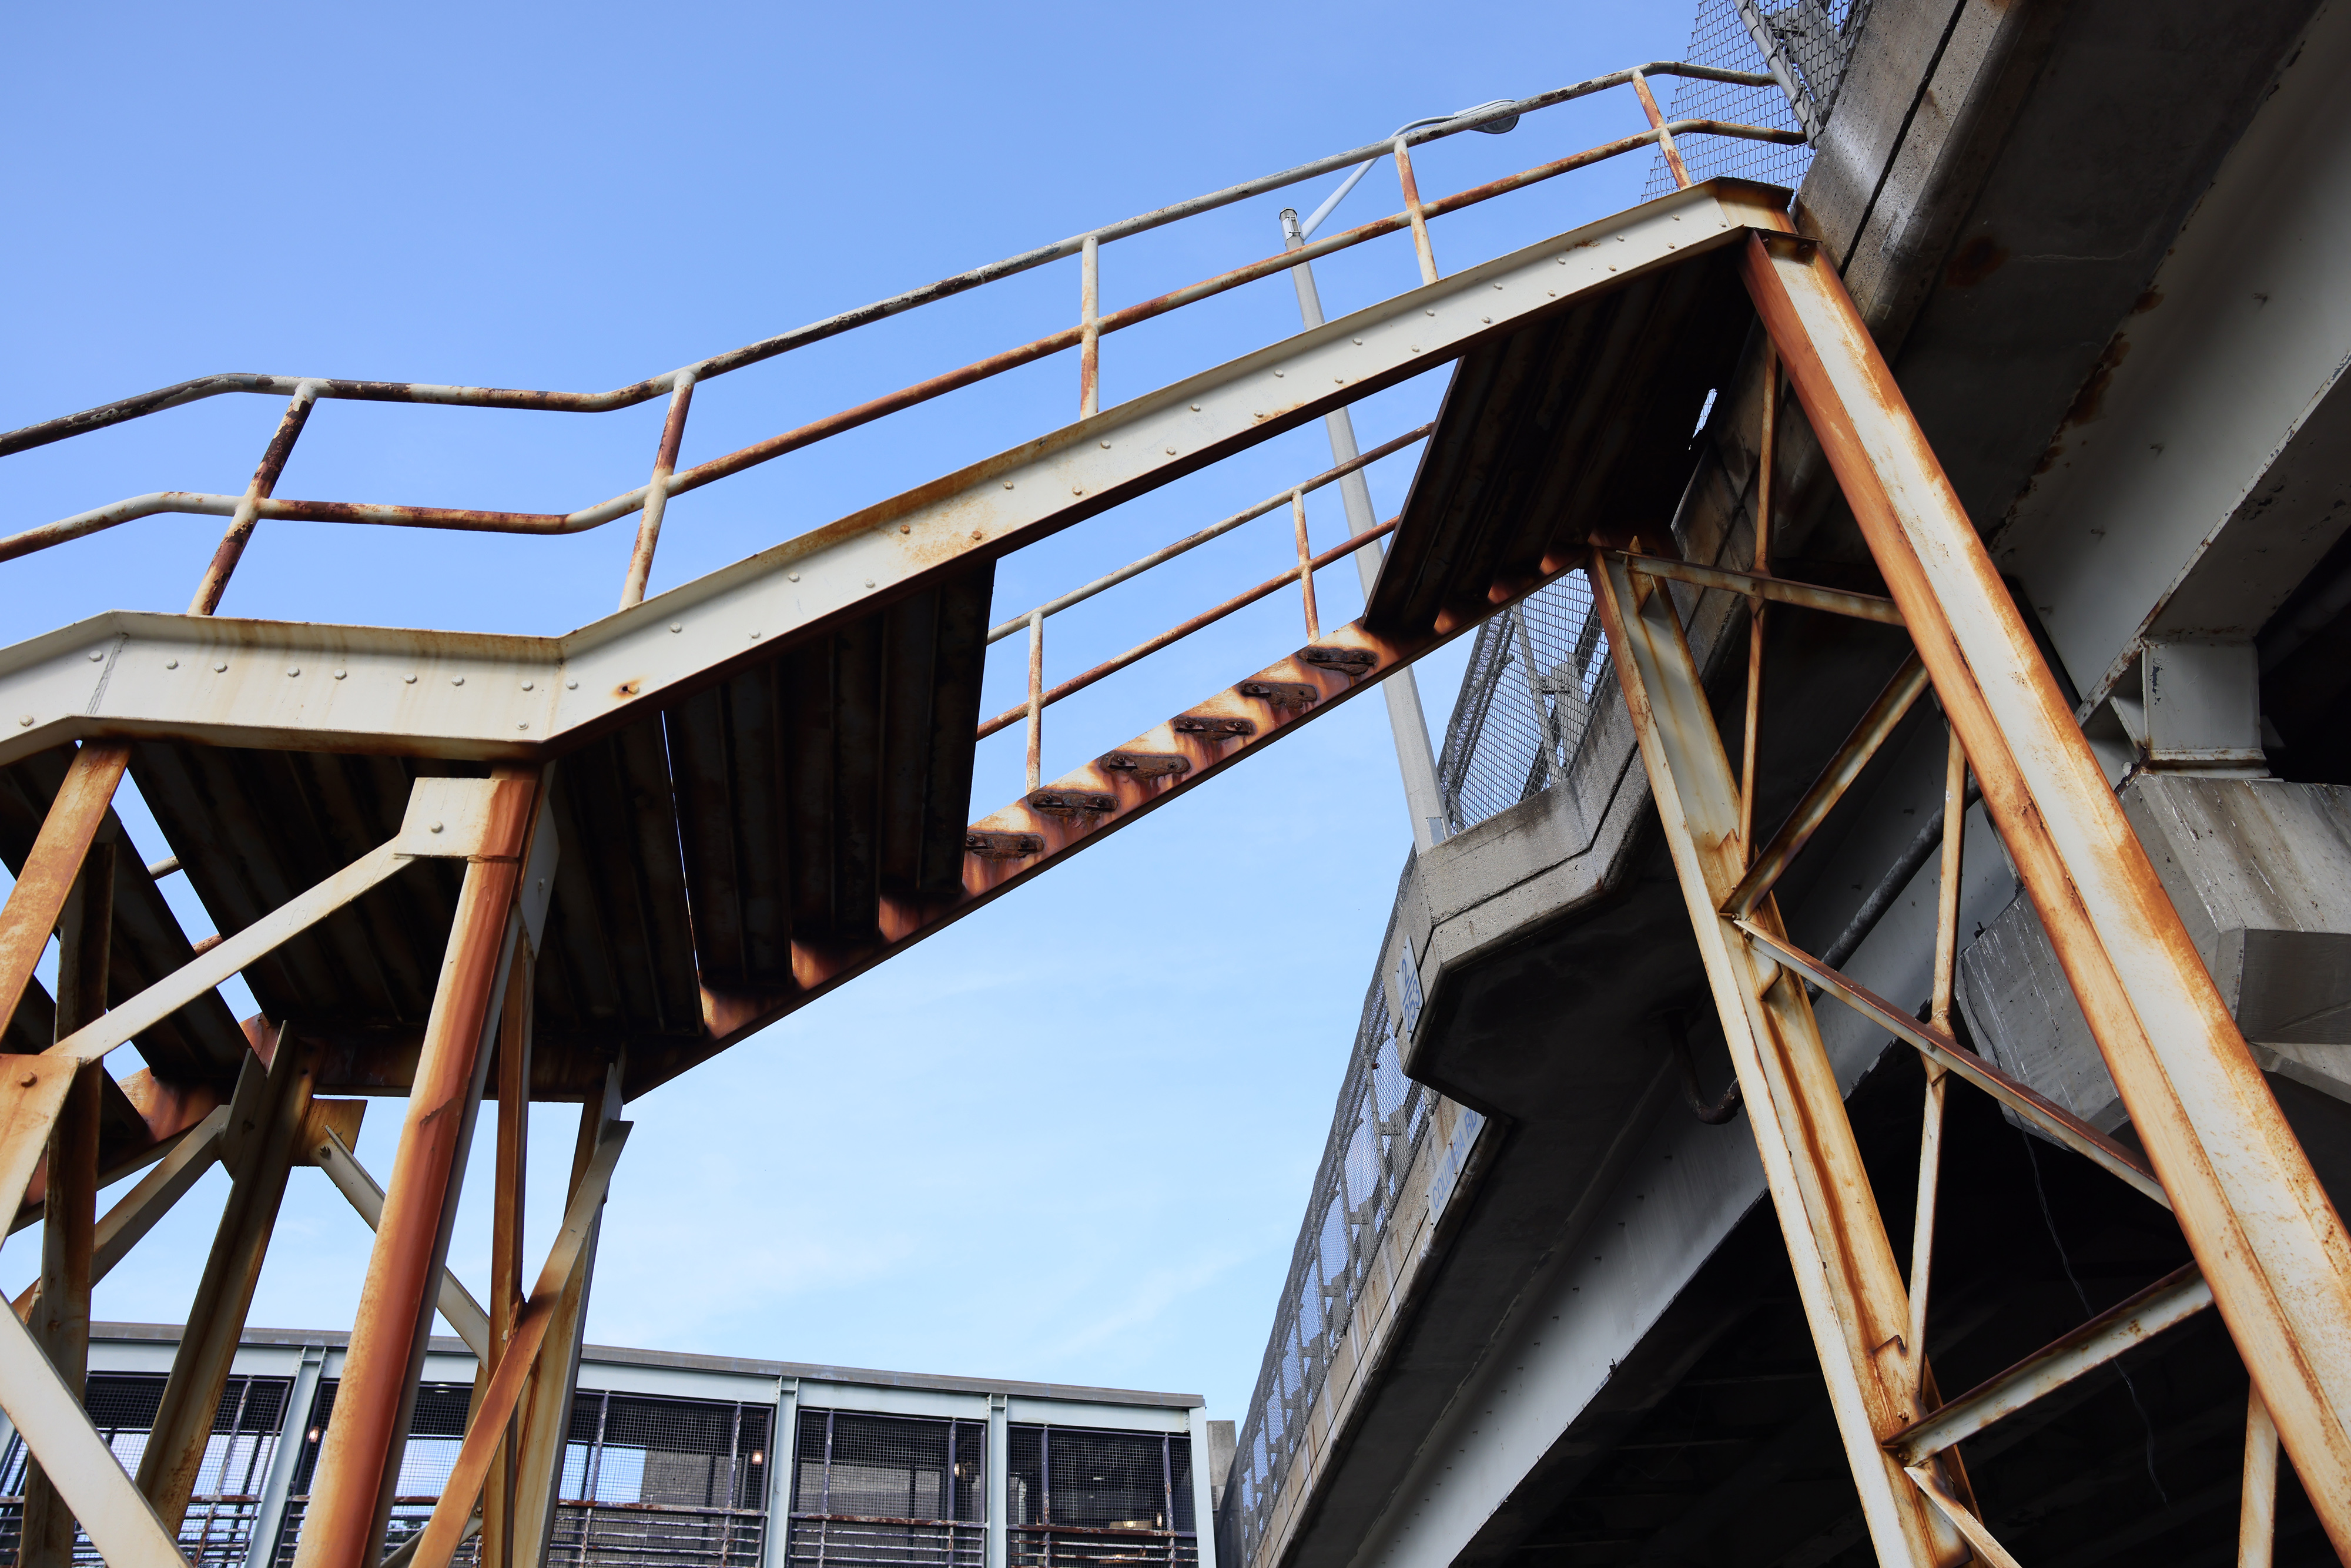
435	1431
662	1483
219	1525
889	1491
1078	1496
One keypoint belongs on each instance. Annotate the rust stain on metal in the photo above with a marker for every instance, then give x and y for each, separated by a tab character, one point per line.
1003	846
1071	802
1218	725
1282	694
1975	261
1144	765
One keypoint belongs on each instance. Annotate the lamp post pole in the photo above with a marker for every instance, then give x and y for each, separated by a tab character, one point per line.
1414	758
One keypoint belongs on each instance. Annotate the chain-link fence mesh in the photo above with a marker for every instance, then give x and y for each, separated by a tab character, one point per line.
1382	1119
218	1528
1809	42
1534	675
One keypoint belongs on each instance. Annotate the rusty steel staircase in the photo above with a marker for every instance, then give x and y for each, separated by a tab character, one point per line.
458	866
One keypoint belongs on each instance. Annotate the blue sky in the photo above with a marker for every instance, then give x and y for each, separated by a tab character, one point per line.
1071	1138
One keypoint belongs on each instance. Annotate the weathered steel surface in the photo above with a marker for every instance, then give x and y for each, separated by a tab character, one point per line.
359	1461
1845	1268
452	694
261	1158
2170	1301
48	871
46	1413
2255	1216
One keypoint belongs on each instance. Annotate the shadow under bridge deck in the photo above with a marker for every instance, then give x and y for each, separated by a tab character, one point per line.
764	775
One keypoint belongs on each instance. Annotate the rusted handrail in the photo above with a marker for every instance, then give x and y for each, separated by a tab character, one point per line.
667	482
1214	530
1075	683
183	392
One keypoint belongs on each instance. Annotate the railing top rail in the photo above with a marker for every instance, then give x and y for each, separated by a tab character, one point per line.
136	407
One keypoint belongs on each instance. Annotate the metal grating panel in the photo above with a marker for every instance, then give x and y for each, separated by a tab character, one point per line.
1813	39
218	1528
662	1483
1534	673
889	1491
1079	1496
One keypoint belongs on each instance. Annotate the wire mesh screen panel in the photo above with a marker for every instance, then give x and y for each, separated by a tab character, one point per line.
218	1528
663	1483
1079	1495
1534	675
1805	43
435	1432
889	1491
1382	1119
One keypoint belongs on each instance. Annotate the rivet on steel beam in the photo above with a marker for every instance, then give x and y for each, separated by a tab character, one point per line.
1277	375
1195	408
571	686
436	827
1007	484
292	670
170	664
408	680
456	680
340	674
95	654
794	576
754	636
677	625
219	669
528	684
1171	452
1430	312
1359	342
869	582
25	720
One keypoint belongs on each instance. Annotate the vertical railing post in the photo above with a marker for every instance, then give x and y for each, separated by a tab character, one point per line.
1036	697
649	524
248	509
1305	565
1664	137
1413	210
1090	328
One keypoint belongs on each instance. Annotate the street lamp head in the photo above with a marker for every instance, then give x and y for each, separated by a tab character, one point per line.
1509	123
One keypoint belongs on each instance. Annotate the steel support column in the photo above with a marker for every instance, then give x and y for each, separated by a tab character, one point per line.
546	1411
266	1123
60	1318
351	1497
2260	1225
1846	1272
505	1250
